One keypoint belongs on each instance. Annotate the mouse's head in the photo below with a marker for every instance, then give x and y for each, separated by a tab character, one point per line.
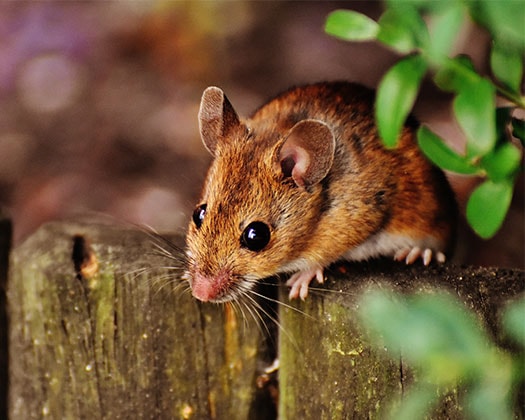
261	198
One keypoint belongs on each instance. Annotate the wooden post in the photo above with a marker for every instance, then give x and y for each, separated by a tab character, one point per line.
5	245
94	336
342	375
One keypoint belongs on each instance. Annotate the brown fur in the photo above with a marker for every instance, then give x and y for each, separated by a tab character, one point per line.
369	189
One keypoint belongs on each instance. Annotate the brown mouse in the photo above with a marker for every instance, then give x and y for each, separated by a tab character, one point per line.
304	182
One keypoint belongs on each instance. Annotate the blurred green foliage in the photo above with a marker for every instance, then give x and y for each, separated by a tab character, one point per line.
425	31
443	341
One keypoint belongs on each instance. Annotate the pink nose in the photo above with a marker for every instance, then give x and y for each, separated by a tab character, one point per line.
209	288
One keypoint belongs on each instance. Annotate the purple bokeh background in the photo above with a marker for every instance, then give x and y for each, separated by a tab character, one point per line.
99	101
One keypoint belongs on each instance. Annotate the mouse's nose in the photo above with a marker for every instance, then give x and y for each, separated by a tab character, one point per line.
209	288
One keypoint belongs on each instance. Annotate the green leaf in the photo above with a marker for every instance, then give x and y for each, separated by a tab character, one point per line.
454	73
454	344
416	403
447	346
489	399
518	129
487	206
503	19
426	6
402	28
351	26
441	155
432	331
514	320
376	305
474	109
503	162
507	65
396	95
444	28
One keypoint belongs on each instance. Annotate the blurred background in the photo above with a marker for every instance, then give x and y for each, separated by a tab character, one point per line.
99	102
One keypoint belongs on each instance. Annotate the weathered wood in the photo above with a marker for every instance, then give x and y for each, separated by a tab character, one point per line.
341	375
117	344
91	337
5	245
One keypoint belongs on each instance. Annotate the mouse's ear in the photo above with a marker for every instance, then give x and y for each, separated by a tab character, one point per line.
307	153
217	118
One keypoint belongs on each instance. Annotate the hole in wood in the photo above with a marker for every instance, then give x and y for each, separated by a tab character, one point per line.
84	259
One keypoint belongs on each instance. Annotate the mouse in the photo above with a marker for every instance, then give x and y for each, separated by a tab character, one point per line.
304	182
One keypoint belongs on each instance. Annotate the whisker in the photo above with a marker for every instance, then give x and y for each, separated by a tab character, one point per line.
160	277
280	303
317	290
256	312
164	275
273	318
256	316
163	252
239	313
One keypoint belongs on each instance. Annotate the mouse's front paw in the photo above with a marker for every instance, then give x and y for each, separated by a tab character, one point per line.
302	279
410	255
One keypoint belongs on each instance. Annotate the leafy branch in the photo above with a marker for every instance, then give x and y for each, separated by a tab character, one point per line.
424	32
437	335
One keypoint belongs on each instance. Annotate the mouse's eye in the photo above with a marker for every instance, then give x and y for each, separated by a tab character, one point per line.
256	236
198	215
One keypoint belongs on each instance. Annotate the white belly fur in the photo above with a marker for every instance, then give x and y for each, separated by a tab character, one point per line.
387	244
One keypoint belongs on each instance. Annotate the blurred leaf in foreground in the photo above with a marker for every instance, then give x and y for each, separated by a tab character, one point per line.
436	335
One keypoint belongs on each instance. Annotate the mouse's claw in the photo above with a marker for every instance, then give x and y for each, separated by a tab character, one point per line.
300	281
410	255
